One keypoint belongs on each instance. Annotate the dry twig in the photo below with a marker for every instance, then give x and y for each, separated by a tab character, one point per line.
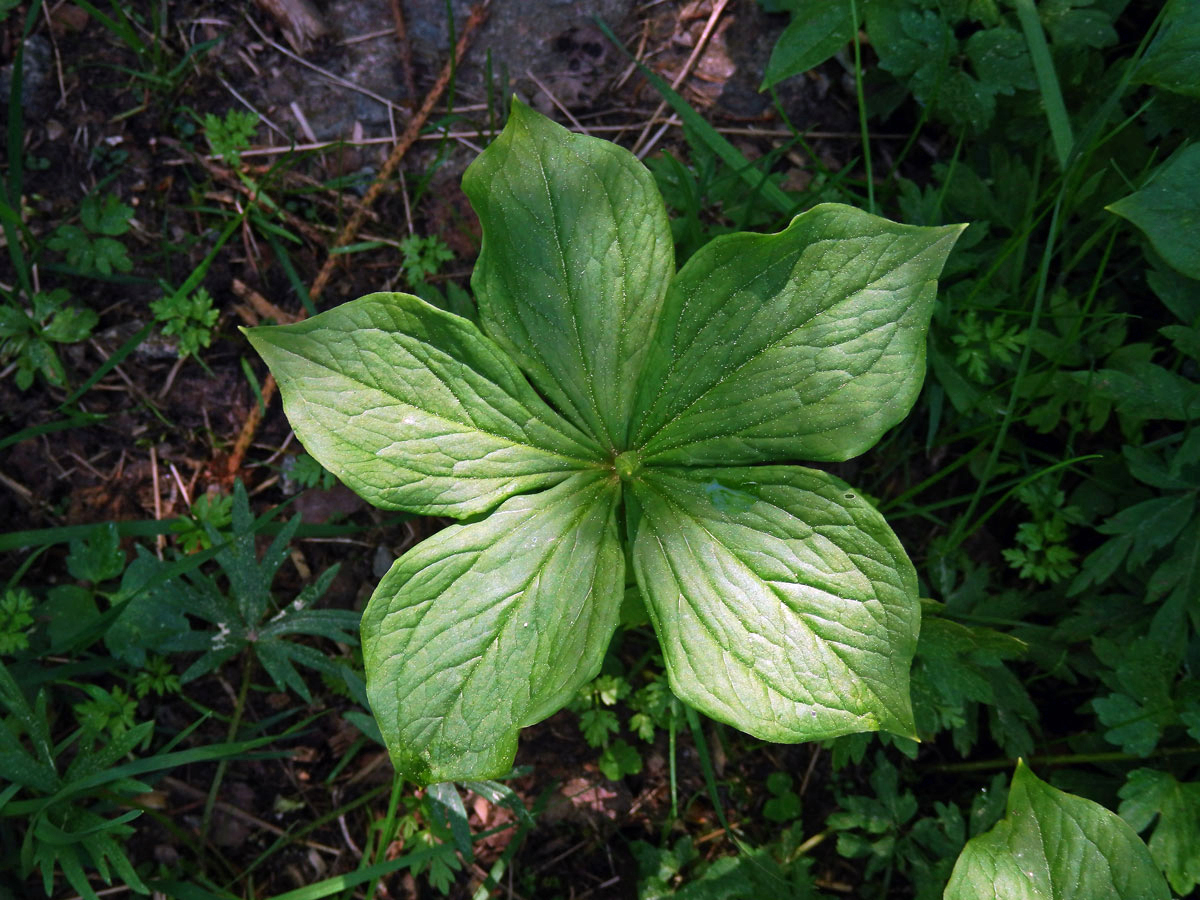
406	140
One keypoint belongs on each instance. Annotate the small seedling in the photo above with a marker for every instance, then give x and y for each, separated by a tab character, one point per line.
209	514
423	257
229	136
27	338
16	620
92	246
784	803
191	319
309	473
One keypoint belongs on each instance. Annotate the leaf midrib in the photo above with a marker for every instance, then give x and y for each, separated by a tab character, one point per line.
582	464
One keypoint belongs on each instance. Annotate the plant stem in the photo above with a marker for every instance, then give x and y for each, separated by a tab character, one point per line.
1060	759
231	735
862	111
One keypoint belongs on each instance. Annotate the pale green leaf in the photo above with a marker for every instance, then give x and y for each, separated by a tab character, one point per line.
485	628
576	257
413	408
805	344
784	604
1055	846
1167	209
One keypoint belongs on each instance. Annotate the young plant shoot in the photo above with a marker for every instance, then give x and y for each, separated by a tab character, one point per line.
610	410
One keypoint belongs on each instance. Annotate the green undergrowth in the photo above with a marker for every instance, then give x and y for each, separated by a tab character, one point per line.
1047	487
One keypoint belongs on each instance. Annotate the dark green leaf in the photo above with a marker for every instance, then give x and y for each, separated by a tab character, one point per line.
97	557
1175	844
1170	61
819	29
1167	209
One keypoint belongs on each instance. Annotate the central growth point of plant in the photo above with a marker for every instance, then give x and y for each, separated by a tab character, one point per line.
609	408
627	464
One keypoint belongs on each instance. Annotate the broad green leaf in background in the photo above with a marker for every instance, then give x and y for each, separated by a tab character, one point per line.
576	257
415	409
1167	209
1150	796
819	29
1170	61
485	628
1055	846
807	344
784	603
1144	391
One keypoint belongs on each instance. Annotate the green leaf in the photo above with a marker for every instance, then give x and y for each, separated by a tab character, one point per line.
1168	211
1170	61
792	615
105	214
1055	846
71	610
807	344
1144	391
1151	524
71	325
619	760
818	30
597	725
485	628
1001	58
99	556
1175	844
576	257
413	408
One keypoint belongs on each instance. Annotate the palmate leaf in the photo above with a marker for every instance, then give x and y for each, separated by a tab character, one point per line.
485	628
413	408
784	603
807	344
576	257
1150	796
1055	846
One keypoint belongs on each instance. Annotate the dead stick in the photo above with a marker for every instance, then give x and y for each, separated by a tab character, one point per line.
410	83
406	140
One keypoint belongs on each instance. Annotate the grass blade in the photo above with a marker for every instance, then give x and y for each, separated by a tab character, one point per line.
1047	79
729	154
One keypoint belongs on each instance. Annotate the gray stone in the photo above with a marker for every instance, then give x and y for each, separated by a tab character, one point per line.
35	81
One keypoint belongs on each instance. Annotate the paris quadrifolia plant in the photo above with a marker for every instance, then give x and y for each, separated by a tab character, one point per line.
610	411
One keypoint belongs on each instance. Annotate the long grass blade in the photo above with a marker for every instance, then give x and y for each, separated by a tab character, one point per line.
1047	79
